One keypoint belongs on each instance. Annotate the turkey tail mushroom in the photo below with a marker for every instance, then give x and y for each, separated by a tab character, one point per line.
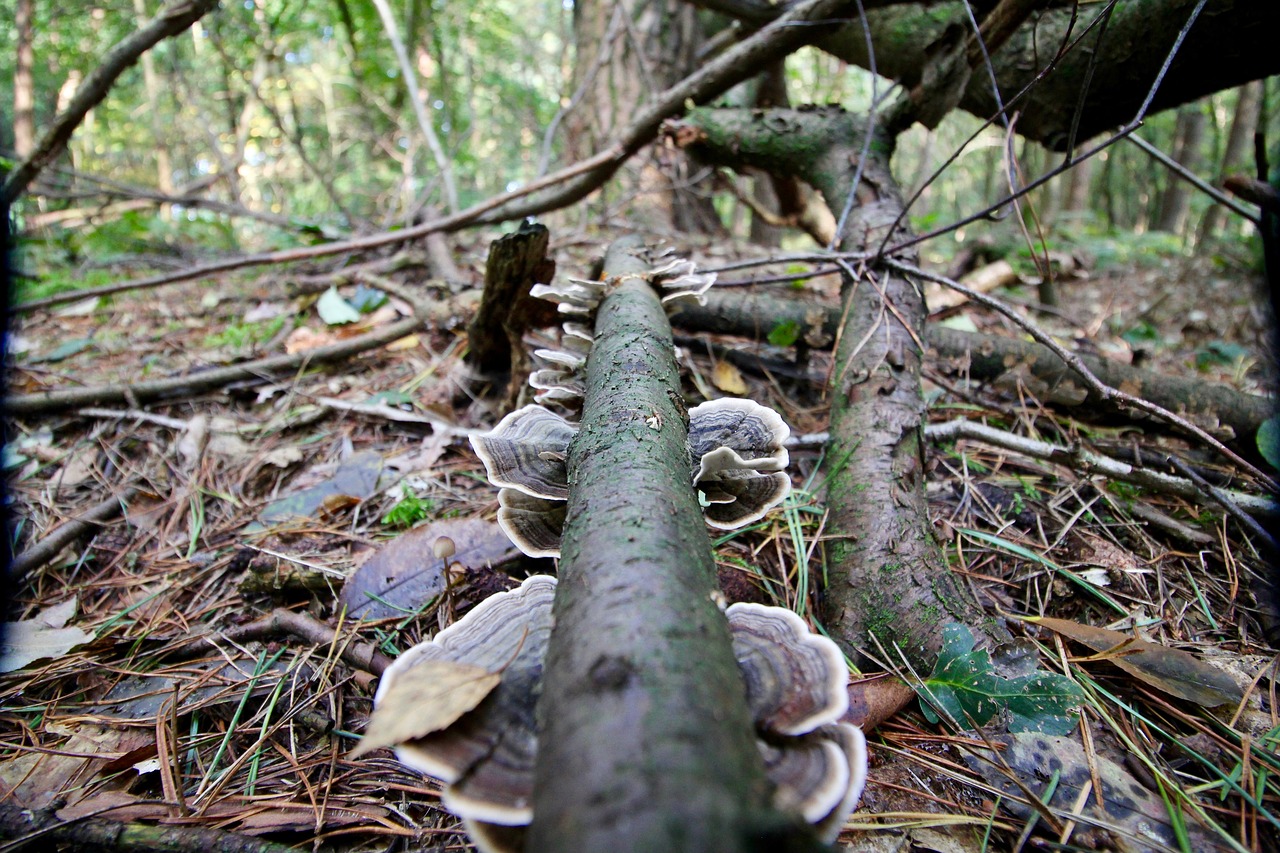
795	683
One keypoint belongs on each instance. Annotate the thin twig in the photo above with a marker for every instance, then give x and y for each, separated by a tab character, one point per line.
67	532
363	656
1227	502
1093	383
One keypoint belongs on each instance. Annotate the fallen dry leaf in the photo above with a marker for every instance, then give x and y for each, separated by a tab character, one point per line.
304	338
425	699
405	575
1174	671
728	378
42	637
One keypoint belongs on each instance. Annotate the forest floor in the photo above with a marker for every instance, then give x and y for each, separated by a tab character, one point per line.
148	681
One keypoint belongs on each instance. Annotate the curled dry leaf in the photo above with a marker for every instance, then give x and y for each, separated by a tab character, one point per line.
424	699
1174	671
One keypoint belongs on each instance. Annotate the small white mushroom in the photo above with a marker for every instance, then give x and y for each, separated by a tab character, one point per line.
532	524
525	451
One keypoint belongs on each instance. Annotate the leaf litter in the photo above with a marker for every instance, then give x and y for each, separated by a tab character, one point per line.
165	699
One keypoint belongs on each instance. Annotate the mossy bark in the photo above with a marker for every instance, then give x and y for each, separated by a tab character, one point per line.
645	739
889	587
1230	44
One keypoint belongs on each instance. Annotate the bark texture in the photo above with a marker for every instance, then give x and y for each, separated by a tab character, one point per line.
495	337
888	583
645	739
1230	44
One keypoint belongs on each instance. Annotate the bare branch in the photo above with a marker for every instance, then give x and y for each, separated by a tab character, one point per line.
173	19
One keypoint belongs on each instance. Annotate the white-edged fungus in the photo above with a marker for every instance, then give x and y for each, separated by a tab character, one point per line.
532	524
796	684
486	756
796	680
526	451
735	445
737	448
797	689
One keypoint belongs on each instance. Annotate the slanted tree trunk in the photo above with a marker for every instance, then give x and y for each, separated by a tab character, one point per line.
645	739
1237	34
889	586
1235	155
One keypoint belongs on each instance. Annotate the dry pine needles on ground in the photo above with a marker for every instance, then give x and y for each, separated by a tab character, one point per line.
189	665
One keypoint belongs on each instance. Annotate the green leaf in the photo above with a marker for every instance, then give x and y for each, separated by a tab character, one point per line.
1142	333
785	333
966	687
1268	440
1219	353
335	310
367	299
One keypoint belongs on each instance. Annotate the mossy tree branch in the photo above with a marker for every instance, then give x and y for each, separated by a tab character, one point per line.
889	591
645	739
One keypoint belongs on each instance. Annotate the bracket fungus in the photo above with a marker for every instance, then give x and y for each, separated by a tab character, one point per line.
486	755
795	683
797	690
736	447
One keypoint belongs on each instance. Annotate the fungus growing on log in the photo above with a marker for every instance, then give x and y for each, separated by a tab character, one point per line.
735	446
795	684
486	756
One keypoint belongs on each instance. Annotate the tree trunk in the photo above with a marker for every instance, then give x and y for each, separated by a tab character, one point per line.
24	96
645	739
1236	155
1078	203
151	84
1175	204
888	583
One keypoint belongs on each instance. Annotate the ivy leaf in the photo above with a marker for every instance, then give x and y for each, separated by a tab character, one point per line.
966	687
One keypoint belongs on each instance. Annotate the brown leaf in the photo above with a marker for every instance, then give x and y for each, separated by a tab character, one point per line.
874	700
405	575
728	378
426	698
1171	670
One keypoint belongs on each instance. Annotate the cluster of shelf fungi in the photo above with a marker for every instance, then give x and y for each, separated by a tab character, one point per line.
620	719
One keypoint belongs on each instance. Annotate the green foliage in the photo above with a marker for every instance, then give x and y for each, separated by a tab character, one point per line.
966	688
240	335
409	510
785	333
1219	354
1142	332
1268	440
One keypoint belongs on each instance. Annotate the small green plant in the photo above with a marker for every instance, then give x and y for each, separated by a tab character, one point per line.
240	335
1219	354
408	511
